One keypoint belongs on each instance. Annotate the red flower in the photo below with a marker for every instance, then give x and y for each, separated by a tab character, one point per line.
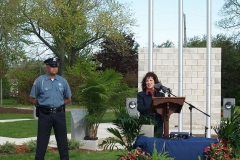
206	149
225	155
136	154
123	158
218	151
225	148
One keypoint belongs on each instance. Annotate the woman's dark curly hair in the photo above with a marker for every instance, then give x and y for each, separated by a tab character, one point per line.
149	74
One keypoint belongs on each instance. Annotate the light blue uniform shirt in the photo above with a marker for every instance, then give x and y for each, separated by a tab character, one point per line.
50	92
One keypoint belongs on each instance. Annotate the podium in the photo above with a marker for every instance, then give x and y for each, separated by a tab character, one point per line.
166	106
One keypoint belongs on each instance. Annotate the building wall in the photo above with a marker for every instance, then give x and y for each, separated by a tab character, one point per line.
165	65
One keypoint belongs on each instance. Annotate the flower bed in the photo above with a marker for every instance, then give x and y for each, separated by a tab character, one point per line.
219	151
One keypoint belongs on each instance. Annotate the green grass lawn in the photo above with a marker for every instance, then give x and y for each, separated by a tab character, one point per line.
24	129
12	102
19	129
28	128
73	155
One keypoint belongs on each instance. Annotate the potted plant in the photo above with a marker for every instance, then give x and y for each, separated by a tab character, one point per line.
128	129
99	92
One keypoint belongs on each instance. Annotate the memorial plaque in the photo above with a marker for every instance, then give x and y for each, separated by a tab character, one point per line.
131	104
228	103
34	113
78	125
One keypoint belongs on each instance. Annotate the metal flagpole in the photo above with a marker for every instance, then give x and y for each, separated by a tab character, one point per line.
150	35
180	58
208	79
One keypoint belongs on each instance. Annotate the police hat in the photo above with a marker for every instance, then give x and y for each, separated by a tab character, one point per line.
52	62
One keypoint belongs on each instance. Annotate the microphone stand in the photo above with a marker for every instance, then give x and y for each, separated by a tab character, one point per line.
190	108
205	133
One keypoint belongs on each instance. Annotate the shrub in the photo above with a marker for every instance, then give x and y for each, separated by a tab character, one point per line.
7	148
128	129
73	145
229	131
76	73
31	145
6	85
24	80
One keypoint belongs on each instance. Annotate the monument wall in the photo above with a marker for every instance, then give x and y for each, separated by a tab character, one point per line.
165	65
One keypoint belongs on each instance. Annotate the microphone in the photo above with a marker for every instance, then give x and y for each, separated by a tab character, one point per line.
159	87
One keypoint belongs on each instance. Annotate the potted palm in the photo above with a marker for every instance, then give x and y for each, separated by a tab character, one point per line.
100	92
128	129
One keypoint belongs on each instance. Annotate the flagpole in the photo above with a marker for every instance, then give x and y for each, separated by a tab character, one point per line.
208	66
180	59
150	35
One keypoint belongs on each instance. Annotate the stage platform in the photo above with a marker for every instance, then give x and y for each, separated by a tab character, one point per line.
179	149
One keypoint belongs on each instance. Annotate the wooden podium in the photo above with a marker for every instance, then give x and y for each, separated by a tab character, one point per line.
166	106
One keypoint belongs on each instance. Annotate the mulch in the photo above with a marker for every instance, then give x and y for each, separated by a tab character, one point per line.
12	110
19	149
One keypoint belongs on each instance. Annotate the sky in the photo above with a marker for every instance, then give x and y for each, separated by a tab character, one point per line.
165	19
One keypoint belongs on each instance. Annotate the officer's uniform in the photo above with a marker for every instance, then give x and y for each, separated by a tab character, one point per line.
50	95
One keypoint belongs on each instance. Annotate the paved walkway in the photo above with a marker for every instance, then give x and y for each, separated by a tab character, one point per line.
102	133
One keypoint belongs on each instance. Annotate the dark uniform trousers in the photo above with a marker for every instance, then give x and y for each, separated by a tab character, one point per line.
45	124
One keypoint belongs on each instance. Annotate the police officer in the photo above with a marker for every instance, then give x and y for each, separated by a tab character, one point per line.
51	92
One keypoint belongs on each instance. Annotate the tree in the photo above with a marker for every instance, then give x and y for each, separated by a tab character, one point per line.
66	27
23	76
230	13
167	44
11	48
121	55
230	62
118	54
2	67
197	41
76	74
230	65
100	92
6	87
